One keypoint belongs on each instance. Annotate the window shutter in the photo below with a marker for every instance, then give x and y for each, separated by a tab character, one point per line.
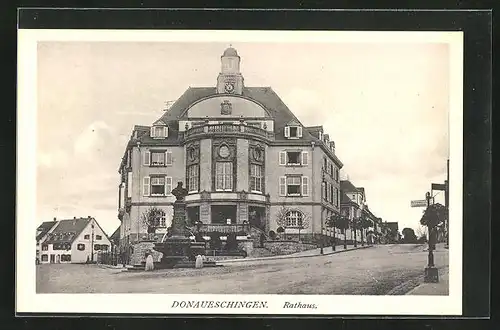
287	131
152	131
282	157
168	185
305	158
282	185
305	186
168	158
299	131
146	185
147	158
165	131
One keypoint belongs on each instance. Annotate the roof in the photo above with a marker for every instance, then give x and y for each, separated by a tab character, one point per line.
344	199
230	52
347	186
116	235
67	231
44	229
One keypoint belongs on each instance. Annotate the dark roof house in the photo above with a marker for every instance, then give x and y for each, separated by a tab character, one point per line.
67	230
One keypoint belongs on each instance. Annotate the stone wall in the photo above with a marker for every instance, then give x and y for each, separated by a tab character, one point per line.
139	254
287	247
246	245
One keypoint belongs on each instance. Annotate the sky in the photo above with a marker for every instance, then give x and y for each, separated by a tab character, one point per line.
384	104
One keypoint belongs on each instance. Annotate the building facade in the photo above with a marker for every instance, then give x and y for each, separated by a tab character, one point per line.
242	154
76	240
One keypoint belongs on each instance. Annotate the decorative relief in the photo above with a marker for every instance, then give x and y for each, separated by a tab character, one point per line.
257	153
226	108
204	195
224	149
192	153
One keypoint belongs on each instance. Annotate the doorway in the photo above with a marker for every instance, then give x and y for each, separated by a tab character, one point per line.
222	214
52	258
257	216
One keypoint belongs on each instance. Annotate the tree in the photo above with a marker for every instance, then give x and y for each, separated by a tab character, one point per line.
281	219
331	223
303	223
151	219
342	222
363	223
434	215
409	236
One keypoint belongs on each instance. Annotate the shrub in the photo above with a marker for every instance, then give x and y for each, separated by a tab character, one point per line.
272	234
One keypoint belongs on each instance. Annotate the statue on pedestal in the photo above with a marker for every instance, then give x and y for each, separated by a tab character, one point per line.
179	192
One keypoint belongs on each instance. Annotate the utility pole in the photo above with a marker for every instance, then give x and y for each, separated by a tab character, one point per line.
92	244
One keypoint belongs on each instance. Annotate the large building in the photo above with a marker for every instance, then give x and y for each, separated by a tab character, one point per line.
242	154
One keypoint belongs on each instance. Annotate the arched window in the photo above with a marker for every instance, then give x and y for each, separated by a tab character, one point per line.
293	218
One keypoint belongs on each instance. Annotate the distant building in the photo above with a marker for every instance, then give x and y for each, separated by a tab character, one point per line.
41	234
76	240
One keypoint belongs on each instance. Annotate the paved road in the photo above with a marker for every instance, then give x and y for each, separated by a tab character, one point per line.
374	271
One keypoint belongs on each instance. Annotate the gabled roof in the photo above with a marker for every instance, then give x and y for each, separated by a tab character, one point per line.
159	122
67	231
44	229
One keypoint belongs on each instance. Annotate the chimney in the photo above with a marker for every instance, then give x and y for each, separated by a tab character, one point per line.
326	137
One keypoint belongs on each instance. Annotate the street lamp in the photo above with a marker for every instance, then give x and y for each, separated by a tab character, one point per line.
431	272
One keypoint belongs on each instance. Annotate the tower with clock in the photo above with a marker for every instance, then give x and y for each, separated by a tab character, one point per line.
230	80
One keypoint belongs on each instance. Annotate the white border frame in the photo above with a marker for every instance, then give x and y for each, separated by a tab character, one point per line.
28	301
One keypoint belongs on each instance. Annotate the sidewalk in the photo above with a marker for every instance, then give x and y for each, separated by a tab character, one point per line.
433	289
304	254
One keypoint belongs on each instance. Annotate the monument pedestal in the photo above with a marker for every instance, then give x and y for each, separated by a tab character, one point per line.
177	249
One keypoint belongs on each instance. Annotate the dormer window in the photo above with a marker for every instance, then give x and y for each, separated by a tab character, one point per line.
159	130
293	130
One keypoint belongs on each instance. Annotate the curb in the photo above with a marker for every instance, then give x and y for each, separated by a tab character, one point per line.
292	257
408	286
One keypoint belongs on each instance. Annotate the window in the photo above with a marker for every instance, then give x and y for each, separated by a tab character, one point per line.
293	219
81	247
331	194
293	132
294	158
86	236
193	174
97	247
331	169
224	176
66	257
45	257
338	196
157	158
337	174
157	185
294	186
98	237
104	247
45	247
255	177
254	124
159	132
325	190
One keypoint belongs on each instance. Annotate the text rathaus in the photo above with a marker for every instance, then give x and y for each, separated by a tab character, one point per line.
241	153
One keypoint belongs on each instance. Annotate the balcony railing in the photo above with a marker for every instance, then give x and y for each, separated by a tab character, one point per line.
225	229
228	128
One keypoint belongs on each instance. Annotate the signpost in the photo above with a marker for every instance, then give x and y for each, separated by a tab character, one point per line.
419	203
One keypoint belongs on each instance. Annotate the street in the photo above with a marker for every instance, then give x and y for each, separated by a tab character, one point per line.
378	270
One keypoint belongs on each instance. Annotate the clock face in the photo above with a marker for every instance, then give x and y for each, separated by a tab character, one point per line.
229	87
224	151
